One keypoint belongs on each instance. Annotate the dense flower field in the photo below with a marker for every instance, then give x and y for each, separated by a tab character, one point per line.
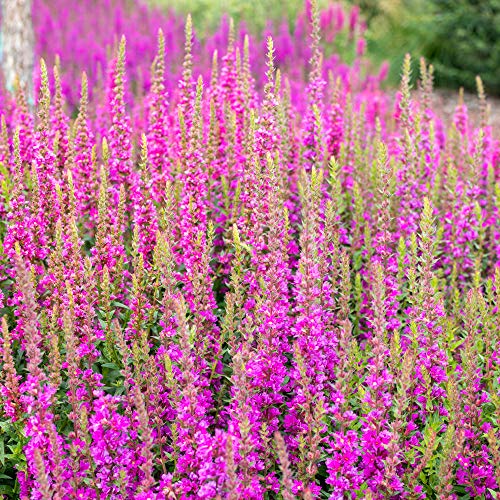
244	273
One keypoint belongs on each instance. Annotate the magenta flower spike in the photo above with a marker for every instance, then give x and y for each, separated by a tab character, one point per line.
234	267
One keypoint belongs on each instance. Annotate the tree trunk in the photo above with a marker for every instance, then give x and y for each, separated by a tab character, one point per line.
18	45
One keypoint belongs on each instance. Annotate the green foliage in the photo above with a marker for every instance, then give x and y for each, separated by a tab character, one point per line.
466	43
12	458
256	13
395	28
461	38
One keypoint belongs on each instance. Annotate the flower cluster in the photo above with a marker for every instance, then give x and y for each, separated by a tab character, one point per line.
237	274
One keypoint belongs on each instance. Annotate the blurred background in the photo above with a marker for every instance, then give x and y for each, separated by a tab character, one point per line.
460	37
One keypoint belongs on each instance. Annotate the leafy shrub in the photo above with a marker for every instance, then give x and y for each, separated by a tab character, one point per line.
460	37
465	42
395	28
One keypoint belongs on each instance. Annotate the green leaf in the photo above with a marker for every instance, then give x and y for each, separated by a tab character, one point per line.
119	304
113	366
